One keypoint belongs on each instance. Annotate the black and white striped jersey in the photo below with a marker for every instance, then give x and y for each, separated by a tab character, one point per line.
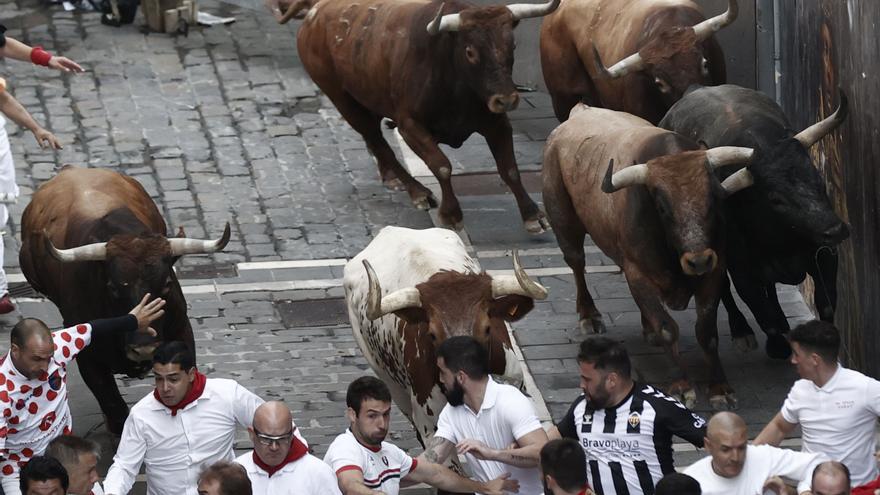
629	446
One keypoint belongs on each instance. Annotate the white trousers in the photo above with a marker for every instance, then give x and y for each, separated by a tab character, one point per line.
7	186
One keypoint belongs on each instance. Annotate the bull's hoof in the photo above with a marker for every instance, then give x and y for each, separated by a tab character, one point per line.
592	325
394	184
684	392
725	402
537	226
746	343
777	347
424	200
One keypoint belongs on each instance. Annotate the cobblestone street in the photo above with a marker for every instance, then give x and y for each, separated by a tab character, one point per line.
225	125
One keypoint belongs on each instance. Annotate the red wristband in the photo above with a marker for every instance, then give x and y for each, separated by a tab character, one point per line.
40	56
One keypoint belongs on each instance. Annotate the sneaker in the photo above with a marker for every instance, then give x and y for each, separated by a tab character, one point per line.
6	305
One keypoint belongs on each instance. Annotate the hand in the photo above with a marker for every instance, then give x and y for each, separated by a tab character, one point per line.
146	312
776	484
46	139
500	486
64	64
476	448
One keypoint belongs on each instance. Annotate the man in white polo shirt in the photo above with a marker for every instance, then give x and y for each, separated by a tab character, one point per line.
836	407
280	463
483	419
365	464
187	422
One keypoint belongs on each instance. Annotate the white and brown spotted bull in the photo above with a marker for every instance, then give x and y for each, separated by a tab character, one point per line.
659	48
408	291
440	71
94	243
649	200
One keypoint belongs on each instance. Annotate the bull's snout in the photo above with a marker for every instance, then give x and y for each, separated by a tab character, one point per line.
503	103
699	263
835	235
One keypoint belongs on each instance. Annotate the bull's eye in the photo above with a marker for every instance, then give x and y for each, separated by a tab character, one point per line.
473	57
433	336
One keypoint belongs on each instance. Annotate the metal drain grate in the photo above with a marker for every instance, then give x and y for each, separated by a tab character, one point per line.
313	313
22	289
211	271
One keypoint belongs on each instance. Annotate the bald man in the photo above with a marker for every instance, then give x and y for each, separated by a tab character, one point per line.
831	478
33	382
280	463
737	468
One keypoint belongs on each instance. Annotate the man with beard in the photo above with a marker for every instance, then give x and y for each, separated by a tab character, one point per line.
493	425
365	464
280	463
736	468
562	468
625	428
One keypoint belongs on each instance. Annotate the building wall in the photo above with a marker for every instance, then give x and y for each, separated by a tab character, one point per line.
826	44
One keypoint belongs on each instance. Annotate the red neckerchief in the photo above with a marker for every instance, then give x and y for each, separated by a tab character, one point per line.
198	387
297	450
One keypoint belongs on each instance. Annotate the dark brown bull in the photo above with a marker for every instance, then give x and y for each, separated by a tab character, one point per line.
664	228
94	243
440	71
658	50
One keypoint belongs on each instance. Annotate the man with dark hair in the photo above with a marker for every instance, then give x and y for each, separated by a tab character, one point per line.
483	418
80	459
366	464
624	427
33	377
831	478
562	468
187	422
836	407
43	476
280	463
678	484
225	478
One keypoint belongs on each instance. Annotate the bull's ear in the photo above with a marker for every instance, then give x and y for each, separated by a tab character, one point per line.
511	308
412	315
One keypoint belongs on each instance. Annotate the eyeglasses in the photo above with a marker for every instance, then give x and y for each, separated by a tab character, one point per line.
268	440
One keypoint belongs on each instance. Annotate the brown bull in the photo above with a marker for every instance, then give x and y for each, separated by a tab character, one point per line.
94	243
663	228
659	49
440	71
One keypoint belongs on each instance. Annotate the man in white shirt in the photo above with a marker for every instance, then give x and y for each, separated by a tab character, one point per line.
836	407
187	422
831	478
280	463
483	418
33	382
80	459
365	464
737	468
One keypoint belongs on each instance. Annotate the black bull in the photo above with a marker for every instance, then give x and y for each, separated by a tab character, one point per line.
783	227
111	250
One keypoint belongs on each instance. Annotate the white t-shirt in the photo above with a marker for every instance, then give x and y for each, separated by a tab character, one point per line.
382	467
762	462
505	416
304	476
838	419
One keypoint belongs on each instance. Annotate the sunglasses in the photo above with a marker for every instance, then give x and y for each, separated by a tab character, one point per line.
268	440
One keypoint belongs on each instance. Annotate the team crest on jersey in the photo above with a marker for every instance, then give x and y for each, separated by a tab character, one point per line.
385	460
634	419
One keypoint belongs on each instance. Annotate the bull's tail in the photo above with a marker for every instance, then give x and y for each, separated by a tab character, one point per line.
296	10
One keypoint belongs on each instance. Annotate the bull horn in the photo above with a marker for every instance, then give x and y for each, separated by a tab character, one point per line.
519	283
89	252
706	28
614	181
631	63
182	246
444	23
729	155
811	135
737	181
378	306
526	10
